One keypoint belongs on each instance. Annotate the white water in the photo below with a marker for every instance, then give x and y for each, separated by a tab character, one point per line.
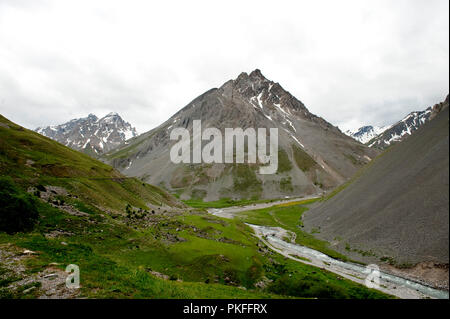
271	234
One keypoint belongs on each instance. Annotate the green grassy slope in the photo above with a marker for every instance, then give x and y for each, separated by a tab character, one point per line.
31	160
146	251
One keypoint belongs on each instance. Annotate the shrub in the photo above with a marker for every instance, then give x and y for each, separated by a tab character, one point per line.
18	210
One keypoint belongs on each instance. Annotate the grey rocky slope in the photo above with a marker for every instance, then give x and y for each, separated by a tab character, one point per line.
397	209
91	135
313	154
404	128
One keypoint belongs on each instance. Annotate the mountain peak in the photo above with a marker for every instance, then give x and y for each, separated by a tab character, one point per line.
90	134
257	74
249	101
254	75
92	116
112	114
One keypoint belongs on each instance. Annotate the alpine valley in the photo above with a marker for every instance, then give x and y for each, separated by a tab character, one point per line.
93	193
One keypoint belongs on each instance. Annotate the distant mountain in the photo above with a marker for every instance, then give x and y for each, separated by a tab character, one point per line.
313	154
366	133
90	134
405	127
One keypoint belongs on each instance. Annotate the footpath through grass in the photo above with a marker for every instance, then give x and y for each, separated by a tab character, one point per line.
228	202
224	202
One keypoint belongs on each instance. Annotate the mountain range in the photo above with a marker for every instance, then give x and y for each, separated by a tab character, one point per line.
91	135
313	154
383	137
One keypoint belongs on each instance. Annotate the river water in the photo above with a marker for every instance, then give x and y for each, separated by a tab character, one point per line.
274	235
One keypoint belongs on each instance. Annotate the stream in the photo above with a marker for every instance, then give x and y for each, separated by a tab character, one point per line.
388	283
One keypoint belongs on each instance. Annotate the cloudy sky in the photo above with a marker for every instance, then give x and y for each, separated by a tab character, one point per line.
351	62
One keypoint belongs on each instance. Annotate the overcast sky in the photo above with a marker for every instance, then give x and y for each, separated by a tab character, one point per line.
351	62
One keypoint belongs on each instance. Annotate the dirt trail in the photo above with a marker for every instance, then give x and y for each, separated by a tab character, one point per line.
229	212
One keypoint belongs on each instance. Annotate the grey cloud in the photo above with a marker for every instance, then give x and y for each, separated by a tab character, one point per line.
354	62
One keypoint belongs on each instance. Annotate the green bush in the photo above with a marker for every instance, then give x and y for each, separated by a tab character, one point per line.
18	210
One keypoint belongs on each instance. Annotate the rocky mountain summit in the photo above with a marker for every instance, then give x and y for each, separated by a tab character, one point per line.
313	155
91	134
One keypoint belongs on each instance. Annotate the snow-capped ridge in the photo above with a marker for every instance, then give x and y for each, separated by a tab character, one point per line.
388	135
91	134
365	133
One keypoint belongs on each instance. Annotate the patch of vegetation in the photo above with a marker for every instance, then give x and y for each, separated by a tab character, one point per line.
353	159
302	159
362	252
286	184
365	253
136	213
391	261
300	280
198	194
301	258
18	210
318	184
6	278
245	181
288	270
284	164
388	259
